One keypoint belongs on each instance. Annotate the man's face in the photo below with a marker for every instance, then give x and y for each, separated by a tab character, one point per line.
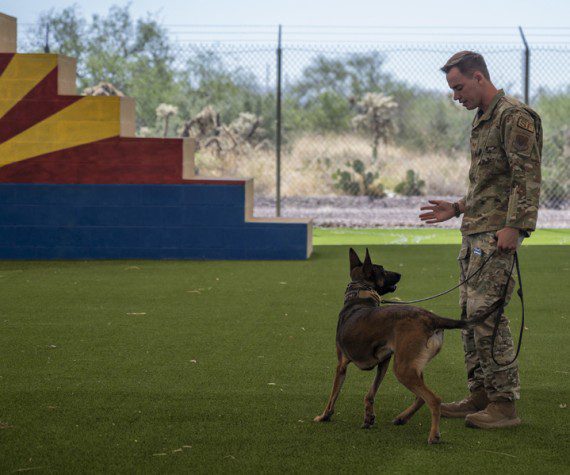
466	90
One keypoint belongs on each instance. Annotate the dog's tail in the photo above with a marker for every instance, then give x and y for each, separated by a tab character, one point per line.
450	323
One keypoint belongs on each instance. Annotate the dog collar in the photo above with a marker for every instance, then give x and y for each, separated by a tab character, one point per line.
358	290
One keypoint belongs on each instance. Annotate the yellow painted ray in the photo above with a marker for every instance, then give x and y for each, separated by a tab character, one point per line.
23	73
87	120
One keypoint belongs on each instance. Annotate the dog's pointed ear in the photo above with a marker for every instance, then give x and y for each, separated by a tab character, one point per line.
354	259
367	268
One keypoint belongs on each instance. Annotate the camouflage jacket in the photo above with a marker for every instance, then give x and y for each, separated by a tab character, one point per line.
504	177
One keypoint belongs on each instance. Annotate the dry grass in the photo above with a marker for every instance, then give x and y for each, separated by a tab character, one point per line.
307	165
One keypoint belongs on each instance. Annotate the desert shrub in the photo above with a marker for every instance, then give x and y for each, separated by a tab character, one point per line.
411	186
376	118
328	112
357	181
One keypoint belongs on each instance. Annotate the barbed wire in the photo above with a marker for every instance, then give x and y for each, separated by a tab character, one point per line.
359	34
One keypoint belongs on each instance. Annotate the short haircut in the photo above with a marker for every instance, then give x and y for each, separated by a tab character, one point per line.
467	62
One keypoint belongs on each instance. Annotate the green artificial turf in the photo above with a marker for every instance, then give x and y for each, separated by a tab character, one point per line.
201	367
359	236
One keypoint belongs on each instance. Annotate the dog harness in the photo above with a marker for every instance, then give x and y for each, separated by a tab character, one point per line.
359	290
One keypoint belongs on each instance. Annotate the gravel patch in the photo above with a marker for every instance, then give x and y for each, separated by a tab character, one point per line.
389	212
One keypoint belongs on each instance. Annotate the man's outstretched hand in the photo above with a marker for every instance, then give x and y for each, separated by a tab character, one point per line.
438	212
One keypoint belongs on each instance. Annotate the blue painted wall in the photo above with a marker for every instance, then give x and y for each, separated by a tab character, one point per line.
190	221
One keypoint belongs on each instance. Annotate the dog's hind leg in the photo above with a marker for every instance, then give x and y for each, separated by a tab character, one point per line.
409	377
339	378
369	416
407	414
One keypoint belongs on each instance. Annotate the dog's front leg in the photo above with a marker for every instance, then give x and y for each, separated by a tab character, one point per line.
339	378
369	416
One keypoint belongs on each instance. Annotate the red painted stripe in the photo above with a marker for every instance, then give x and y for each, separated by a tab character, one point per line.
5	59
115	160
118	160
198	181
40	103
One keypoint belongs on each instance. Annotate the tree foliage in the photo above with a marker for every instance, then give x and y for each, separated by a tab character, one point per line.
133	55
349	75
59	32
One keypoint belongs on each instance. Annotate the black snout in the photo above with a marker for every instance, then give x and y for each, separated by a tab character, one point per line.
390	281
393	278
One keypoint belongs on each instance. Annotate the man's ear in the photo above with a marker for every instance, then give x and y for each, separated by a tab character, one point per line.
367	268
478	76
354	259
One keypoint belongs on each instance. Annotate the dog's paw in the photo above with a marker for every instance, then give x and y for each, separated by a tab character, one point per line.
368	422
399	421
436	439
322	418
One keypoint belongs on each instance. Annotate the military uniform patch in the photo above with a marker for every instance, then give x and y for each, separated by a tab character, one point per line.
521	142
525	124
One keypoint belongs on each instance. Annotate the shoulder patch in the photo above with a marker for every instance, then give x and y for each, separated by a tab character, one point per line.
521	142
525	124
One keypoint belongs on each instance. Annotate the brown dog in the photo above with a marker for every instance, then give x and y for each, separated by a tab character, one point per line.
369	334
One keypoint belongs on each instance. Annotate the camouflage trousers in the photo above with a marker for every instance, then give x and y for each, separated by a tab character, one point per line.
500	382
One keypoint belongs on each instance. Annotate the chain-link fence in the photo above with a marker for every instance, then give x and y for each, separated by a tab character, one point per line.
359	122
337	143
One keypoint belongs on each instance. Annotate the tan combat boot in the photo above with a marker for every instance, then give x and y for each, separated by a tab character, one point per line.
476	401
496	415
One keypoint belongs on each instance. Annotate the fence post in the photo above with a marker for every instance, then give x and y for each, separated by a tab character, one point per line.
46	47
526	66
278	130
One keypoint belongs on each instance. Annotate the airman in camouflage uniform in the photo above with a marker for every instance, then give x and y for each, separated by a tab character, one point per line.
500	209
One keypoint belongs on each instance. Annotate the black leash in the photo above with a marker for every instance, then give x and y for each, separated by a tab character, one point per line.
401	302
501	308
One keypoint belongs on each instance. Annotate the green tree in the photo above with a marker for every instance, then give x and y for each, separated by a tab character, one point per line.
65	32
207	80
431	122
329	112
132	55
325	94
348	76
